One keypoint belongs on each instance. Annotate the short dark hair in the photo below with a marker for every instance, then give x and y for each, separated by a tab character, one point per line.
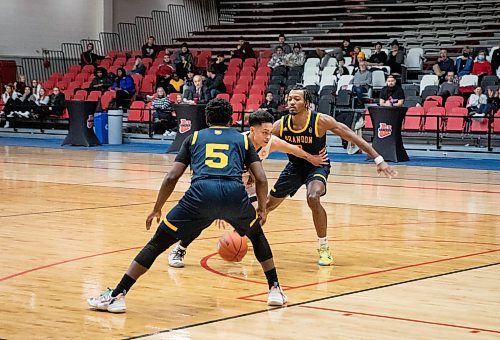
218	112
282	35
279	48
269	91
260	117
308	99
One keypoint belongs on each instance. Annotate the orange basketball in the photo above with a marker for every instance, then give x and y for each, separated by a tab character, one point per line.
232	247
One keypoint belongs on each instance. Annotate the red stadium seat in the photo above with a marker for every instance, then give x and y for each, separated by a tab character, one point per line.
238	98
74	69
241	88
368	121
223	96
62	85
252	62
106	99
88	69
431	123
413	119
136	112
479	126
173	97
428	104
437	99
456	123
94	96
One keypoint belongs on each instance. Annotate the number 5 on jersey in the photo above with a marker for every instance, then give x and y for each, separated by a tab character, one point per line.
215	156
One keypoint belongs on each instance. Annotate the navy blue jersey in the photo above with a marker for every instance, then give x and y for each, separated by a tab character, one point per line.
217	152
307	138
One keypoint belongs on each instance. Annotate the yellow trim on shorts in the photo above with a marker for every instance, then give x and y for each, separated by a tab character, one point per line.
316	124
245	137
195	135
170	225
306	125
254	220
273	189
320	175
282	122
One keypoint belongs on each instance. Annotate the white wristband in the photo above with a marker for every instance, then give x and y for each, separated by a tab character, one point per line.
378	160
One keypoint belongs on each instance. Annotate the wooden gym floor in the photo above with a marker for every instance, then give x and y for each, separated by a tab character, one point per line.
416	257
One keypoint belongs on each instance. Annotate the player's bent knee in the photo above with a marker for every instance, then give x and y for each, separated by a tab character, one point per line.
261	246
313	198
160	242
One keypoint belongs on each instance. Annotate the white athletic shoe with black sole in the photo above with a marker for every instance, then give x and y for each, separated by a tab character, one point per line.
276	297
105	302
176	257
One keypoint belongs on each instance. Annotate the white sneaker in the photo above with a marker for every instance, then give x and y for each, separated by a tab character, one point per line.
6	124
105	302
10	115
176	257
172	134
276	297
166	133
25	114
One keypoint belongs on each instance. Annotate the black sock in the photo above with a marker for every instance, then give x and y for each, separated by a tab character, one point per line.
272	277
124	286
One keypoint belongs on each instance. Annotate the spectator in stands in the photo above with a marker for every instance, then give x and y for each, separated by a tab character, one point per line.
163	121
478	103
150	49
463	64
379	57
215	84
139	67
243	50
199	94
188	83
448	88
57	102
297	58
9	98
495	61
26	103
164	73
89	57
101	81
20	85
178	98
361	82
443	65
35	87
177	82
184	61
42	99
482	67
392	94
494	99
277	60
219	65
341	70
270	105
395	58
354	56
281	43
347	47
344	50
124	87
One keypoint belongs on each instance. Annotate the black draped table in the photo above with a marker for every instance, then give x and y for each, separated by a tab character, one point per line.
190	118
387	124
81	123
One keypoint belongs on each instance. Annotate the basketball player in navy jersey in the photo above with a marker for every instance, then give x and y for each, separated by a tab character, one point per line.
307	129
217	157
260	136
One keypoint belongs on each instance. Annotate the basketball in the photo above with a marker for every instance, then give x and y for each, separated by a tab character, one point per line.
232	247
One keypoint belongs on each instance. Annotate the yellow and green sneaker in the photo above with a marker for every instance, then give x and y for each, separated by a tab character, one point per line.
325	257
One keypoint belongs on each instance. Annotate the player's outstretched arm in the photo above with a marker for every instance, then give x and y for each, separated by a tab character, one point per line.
341	130
261	189
166	189
276	128
285	147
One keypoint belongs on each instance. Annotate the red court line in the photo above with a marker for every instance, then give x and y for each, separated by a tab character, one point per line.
248	297
474	329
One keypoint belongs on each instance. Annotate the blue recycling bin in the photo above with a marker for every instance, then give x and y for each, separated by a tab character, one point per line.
101	127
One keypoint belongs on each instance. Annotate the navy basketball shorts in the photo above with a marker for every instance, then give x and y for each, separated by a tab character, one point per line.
295	175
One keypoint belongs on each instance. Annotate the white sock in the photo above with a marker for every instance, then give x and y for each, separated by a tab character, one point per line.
323	241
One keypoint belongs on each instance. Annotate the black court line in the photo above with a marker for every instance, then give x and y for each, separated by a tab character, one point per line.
314	300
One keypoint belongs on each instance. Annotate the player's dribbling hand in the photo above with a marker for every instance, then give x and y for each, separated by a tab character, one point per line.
262	215
221	224
151	216
387	170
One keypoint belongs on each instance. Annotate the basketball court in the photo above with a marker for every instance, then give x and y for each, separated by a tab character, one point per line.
415	257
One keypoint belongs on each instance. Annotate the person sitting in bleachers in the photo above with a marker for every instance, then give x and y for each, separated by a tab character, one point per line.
443	65
176	82
448	88
494	99
139	67
361	82
271	106
354	56
345	50
463	64
482	67
101	81
495	61
9	98
164	73
281	43
395	58
188	83
243	50
215	83
219	65
35	87
20	84
277	60
150	49
124	87
379	57
341	70
89	57
199	94
57	102
163	121
26	103
392	94
297	58
478	103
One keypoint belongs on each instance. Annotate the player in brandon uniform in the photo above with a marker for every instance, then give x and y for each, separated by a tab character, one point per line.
260	136
307	129
217	157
